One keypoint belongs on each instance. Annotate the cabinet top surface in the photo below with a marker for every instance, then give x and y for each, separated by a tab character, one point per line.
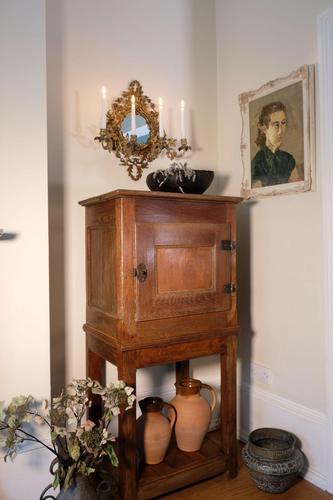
128	193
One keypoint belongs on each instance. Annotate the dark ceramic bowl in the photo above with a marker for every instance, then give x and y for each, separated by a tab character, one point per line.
202	181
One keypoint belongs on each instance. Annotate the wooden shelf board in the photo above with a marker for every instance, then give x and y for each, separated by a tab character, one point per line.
181	469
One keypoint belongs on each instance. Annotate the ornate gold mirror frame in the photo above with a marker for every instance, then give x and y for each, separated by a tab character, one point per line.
136	151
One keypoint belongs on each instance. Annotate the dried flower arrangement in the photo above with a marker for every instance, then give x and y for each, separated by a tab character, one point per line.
77	443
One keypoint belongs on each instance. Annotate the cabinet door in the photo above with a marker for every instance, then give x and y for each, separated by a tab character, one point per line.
187	269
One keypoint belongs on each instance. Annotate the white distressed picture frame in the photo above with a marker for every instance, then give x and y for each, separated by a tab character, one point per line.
304	74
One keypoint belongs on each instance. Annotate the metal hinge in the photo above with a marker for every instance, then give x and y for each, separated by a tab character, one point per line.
230	288
228	245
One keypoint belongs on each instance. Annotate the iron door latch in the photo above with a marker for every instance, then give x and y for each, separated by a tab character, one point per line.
228	245
140	273
230	288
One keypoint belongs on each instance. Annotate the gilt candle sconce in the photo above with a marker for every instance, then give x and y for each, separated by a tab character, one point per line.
133	130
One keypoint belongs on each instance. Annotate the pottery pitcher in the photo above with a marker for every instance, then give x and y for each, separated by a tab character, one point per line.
193	413
157	428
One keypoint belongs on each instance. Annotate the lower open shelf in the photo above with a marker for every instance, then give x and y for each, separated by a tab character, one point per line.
180	468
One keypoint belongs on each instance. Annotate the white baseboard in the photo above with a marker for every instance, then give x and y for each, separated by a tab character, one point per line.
160	392
261	408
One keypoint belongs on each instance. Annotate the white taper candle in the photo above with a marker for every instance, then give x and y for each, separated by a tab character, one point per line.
133	122
160	117
182	119
103	107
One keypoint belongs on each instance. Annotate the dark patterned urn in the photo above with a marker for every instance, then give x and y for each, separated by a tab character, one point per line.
273	459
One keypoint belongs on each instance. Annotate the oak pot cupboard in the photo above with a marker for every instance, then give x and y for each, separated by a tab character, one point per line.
161	288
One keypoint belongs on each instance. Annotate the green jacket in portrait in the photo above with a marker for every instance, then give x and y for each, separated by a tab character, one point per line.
271	168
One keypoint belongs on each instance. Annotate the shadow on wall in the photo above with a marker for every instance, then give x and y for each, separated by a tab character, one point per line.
244	311
8	236
202	65
219	184
54	54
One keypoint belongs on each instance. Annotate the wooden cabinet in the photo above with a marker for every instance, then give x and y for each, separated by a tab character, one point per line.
161	281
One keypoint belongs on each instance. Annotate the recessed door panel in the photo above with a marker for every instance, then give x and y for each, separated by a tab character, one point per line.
187	269
101	273
184	268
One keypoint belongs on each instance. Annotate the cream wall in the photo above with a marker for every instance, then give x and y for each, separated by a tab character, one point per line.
24	296
281	274
285	248
170	48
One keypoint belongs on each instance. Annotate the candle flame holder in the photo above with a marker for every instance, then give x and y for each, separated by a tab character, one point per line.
136	151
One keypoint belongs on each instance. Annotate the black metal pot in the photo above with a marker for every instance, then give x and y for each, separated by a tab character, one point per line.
273	459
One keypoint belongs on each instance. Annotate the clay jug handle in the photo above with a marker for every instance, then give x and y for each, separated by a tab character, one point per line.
171	416
213	393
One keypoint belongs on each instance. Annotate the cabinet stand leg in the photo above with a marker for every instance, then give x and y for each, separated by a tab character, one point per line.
228	405
95	370
182	370
127	450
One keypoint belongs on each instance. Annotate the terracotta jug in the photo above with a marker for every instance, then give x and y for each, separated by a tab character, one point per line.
157	428
193	413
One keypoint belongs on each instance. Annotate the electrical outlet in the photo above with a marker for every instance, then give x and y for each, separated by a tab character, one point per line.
261	374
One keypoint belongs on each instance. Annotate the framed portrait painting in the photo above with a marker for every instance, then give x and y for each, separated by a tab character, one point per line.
277	144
